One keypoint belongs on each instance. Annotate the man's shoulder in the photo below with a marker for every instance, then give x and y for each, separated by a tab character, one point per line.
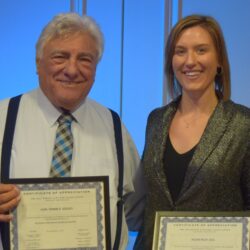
95	105
26	98
27	95
95	108
4	103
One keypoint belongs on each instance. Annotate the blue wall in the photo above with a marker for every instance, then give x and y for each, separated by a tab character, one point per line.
130	76
234	19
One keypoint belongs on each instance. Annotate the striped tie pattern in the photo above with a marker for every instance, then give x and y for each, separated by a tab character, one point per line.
63	149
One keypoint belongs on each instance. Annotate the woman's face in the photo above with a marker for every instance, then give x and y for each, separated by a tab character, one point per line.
195	61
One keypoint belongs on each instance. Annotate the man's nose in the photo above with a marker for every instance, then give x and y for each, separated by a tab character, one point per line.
71	68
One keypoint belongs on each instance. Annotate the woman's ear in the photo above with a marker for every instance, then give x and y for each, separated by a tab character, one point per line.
219	70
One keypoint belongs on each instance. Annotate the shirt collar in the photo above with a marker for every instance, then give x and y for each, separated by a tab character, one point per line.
80	113
52	113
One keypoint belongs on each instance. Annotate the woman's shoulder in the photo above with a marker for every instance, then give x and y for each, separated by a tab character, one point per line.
160	111
237	109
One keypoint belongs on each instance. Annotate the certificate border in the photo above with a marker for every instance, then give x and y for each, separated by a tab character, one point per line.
164	217
38	183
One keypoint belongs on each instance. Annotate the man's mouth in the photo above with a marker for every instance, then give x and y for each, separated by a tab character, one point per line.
68	82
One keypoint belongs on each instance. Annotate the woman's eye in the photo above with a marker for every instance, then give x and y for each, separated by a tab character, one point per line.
179	51
201	50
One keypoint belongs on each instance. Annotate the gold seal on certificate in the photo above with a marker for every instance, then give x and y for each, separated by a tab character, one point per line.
201	230
61	213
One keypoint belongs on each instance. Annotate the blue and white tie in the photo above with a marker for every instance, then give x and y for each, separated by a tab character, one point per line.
63	149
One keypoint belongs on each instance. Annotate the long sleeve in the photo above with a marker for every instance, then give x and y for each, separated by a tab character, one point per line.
246	177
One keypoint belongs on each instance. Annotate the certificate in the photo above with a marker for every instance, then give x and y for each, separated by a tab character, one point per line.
61	213
201	231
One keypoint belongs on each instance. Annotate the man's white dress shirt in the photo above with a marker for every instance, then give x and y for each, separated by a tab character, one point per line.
94	152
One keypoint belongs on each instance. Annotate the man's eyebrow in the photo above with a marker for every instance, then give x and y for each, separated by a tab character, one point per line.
59	52
86	54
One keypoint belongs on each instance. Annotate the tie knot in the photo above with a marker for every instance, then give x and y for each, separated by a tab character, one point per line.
65	119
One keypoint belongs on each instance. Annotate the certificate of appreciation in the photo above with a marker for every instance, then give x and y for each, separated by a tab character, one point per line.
201	231
61	213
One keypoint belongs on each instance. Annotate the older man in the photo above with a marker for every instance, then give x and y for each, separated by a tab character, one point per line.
67	53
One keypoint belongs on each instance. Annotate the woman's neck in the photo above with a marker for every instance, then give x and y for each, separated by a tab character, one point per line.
202	104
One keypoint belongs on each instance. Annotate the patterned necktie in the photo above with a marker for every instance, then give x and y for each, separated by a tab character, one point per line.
62	155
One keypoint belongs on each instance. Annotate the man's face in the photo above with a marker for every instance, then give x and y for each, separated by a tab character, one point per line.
67	69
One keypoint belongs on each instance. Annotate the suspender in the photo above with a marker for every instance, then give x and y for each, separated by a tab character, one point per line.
6	155
8	137
119	150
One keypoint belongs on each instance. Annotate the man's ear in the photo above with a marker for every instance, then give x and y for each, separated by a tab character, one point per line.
37	65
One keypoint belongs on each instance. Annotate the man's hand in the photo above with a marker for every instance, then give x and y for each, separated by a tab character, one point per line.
9	199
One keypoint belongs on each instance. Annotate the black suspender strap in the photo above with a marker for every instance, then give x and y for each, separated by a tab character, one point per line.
8	137
6	154
119	149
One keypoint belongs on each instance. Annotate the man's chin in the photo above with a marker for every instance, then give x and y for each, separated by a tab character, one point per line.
70	104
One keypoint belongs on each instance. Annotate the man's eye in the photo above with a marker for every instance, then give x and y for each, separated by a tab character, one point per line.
85	59
58	58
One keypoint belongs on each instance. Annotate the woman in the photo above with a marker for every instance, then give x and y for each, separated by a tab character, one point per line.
197	151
